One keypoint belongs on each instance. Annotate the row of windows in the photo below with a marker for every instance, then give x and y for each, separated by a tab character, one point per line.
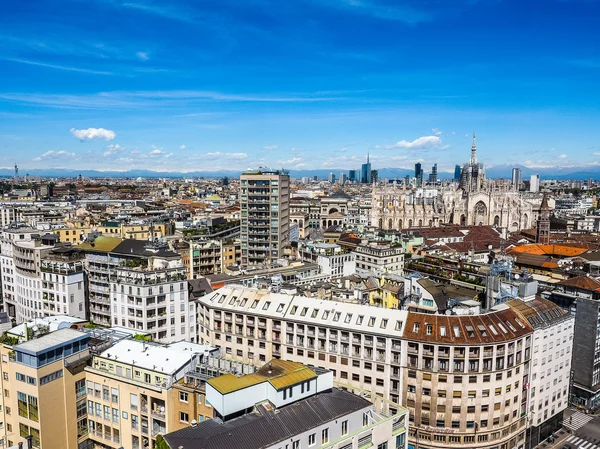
23	378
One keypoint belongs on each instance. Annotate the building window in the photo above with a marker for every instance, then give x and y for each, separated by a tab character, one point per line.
325	436
183	417
344	427
312	439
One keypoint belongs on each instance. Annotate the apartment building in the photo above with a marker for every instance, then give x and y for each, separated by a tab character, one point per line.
464	377
548	388
63	283
332	259
103	255
580	296
7	238
264	204
380	258
294	406
136	391
43	390
154	300
24	282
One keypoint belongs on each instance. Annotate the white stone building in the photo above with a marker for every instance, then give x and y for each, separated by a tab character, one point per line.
154	300
474	201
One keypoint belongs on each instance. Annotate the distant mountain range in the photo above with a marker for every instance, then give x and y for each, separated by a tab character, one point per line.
498	171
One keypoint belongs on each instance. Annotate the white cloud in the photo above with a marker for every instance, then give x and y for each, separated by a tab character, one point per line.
417	144
182	147
113	149
154	153
562	156
55	155
436	131
292	161
93	133
168	155
454	133
270	147
596	153
142	55
229	156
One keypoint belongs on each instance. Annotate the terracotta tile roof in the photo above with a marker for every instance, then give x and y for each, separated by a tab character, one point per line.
582	282
494	327
564	250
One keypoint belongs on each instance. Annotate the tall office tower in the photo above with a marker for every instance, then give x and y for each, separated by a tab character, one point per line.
457	173
352	175
407	180
517	178
534	183
433	175
331	178
419	174
265	201
343	178
365	172
374	176
590	183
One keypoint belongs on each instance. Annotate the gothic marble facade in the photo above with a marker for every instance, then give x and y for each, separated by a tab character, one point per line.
475	200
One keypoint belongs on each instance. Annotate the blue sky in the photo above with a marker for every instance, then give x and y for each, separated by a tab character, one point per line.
206	85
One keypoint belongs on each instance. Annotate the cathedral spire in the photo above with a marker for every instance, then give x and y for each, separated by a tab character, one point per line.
474	150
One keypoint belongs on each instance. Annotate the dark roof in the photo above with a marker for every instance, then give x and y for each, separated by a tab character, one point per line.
340	194
264	428
141	248
442	293
199	287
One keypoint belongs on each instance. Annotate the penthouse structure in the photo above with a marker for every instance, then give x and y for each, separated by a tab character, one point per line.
294	405
43	387
103	255
137	391
463	378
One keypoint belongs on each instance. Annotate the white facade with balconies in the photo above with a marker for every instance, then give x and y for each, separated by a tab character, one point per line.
154	301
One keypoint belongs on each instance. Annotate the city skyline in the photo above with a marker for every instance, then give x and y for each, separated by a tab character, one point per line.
111	85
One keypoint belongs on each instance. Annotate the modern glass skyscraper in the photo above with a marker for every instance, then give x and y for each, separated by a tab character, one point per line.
365	172
457	173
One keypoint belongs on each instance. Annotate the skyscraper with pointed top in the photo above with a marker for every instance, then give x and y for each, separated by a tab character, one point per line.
365	172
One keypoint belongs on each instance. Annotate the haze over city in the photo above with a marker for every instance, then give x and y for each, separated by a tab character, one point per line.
209	86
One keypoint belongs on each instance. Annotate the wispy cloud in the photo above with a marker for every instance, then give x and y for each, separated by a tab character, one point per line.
166	10
136	99
55	155
417	144
270	147
143	55
58	67
379	9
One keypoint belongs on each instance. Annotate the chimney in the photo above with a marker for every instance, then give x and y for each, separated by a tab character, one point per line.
29	439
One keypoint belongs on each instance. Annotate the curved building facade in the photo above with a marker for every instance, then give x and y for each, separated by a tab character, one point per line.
466	379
